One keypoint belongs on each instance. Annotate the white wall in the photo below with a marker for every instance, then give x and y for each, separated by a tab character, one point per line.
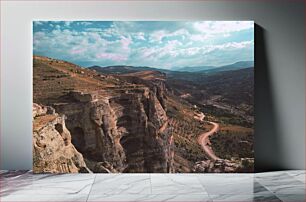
280	90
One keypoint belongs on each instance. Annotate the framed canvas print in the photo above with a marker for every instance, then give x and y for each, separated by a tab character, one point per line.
143	96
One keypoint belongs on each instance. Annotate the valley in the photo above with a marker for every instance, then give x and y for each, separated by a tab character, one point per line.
126	119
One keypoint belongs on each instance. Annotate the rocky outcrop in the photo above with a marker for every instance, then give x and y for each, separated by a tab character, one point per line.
118	123
225	166
119	132
52	148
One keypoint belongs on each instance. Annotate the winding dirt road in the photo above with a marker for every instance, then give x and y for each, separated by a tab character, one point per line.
203	140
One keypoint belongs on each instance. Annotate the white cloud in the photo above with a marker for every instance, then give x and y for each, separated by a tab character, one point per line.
186	44
158	36
37	23
85	23
125	42
139	36
217	27
112	56
234	45
171	48
199	37
93	29
67	23
82	45
175	52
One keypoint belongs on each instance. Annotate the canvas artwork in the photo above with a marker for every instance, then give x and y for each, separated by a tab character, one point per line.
143	96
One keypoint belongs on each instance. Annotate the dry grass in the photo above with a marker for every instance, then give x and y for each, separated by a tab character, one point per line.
55	78
235	128
41	121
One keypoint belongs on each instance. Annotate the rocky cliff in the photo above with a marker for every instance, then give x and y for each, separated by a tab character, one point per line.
243	165
116	125
52	148
120	131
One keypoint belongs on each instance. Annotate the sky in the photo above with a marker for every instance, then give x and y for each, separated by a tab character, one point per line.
160	44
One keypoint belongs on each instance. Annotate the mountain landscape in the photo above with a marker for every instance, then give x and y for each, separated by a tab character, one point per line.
143	96
119	69
234	66
139	119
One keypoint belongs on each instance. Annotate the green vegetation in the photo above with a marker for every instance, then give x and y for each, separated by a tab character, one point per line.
185	139
227	144
224	117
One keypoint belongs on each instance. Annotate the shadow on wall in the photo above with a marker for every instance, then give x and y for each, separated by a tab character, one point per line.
268	153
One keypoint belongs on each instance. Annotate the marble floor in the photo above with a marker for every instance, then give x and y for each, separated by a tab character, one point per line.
271	186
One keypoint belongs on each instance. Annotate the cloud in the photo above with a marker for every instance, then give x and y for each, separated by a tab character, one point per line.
112	56
174	53
158	44
236	45
158	36
170	49
93	30
139	36
228	46
217	27
75	51
85	23
38	23
199	37
80	45
67	23
125	43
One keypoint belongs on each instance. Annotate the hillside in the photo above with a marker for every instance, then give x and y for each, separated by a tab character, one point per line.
113	124
118	123
235	87
226	98
209	69
123	69
231	90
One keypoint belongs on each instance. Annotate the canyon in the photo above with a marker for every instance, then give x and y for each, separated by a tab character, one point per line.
115	125
130	120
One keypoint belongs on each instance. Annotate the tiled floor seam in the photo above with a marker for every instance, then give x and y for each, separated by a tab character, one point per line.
209	197
269	191
91	188
151	184
267	188
274	194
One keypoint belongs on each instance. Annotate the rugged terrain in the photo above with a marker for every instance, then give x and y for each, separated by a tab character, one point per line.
114	124
223	97
140	119
229	91
53	151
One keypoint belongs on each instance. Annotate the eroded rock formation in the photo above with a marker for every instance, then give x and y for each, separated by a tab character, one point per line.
225	166
117	122
52	148
121	133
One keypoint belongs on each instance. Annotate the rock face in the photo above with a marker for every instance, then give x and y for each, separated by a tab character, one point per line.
225	166
118	123
52	148
121	131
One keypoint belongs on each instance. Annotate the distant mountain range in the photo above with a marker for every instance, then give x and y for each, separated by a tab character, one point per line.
193	68
120	69
235	66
